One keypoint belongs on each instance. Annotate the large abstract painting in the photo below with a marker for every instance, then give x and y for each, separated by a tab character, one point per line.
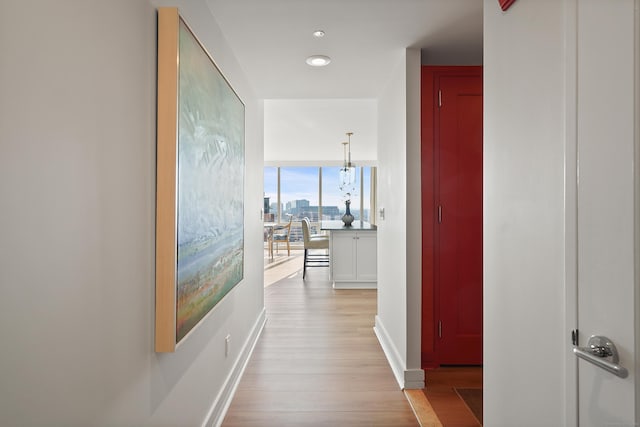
200	193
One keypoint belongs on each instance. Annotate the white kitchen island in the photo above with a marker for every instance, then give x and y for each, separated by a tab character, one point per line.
353	254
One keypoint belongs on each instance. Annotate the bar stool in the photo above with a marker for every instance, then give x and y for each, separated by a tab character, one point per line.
313	241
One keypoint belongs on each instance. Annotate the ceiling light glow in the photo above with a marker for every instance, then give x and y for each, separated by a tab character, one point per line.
318	33
318	60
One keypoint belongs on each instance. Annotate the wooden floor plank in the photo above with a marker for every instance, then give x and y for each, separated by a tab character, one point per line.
352	418
319	382
425	413
318	362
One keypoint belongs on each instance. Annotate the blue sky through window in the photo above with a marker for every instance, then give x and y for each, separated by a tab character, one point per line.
301	183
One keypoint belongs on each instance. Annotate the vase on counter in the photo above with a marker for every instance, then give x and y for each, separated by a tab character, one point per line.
347	218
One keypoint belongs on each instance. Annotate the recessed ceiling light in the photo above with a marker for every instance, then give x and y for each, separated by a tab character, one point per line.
318	33
318	60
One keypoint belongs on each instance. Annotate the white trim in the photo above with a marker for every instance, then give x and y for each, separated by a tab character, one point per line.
278	197
570	211
390	351
221	404
413	379
406	378
373	195
637	202
320	192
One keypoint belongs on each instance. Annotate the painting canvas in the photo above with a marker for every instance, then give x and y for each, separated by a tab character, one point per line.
209	186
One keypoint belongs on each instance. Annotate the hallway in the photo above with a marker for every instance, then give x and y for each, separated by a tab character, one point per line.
318	362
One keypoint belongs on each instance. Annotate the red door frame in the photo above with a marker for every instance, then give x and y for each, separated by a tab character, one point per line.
429	96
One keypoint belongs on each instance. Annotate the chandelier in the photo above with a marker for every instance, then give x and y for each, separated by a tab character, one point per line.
348	170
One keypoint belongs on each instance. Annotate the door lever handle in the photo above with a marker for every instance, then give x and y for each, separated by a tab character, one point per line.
600	351
603	353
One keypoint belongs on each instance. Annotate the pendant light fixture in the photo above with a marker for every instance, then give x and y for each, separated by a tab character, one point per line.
348	170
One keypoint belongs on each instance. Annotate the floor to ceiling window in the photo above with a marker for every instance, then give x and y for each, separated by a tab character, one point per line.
299	193
313	192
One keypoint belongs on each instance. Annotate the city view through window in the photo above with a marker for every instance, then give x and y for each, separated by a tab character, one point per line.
312	192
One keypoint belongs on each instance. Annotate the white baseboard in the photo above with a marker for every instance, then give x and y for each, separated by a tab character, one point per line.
221	404
390	350
406	378
413	379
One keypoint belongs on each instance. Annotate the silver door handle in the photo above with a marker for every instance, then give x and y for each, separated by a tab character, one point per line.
603	353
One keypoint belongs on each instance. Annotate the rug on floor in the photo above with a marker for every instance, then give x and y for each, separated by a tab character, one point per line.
472	397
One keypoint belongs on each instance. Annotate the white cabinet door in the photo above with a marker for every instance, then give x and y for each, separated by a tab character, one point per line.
366	256
343	255
354	259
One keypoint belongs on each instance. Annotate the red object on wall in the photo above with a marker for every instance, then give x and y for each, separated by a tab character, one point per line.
505	4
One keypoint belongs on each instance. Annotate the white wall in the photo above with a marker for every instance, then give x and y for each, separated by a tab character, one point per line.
311	131
524	332
399	236
77	184
414	218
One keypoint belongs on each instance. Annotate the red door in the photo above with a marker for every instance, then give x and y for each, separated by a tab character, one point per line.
458	219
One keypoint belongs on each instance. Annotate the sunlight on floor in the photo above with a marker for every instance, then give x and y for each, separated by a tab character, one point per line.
282	266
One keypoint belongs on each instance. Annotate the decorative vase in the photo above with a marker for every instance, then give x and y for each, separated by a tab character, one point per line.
347	218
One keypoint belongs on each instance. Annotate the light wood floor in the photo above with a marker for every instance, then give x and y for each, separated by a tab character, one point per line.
319	363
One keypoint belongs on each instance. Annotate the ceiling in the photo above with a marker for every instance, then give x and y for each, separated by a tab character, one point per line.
364	38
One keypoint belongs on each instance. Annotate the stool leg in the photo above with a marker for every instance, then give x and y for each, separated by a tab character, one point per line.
304	265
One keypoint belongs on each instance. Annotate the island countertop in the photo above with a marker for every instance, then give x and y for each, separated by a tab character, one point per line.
355	226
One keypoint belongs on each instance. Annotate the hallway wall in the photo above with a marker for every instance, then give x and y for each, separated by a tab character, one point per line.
77	190
524	144
399	234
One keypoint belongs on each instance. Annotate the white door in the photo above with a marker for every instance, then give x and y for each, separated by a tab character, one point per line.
606	196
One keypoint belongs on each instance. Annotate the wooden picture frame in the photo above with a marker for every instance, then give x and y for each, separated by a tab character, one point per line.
200	184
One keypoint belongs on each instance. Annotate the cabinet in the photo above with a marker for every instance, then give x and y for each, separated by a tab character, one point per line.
353	259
